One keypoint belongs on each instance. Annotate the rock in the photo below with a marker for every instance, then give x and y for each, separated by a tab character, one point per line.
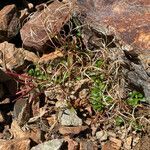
86	145
110	146
15	58
9	22
127	20
49	145
116	142
19	144
22	111
45	24
69	118
111	134
72	130
72	145
102	135
127	144
137	76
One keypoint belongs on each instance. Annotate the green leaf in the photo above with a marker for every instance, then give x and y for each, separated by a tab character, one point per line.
135	98
119	121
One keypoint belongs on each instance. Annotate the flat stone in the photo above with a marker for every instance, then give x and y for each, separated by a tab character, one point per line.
102	135
37	33
72	130
49	145
22	110
69	118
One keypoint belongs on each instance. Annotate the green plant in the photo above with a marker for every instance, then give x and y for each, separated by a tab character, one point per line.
135	98
98	97
136	126
99	63
37	73
119	121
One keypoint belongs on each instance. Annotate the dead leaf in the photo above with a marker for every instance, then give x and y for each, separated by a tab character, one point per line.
51	56
17	132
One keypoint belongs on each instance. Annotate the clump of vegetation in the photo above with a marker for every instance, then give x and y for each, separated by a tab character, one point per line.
119	121
99	97
104	74
135	98
37	73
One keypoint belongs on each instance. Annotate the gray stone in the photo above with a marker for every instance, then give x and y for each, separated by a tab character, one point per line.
102	135
49	145
69	118
138	77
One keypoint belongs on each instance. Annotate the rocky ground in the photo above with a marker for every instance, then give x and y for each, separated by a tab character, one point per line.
74	75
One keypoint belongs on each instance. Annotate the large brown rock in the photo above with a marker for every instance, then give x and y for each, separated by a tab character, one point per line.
128	20
9	22
45	24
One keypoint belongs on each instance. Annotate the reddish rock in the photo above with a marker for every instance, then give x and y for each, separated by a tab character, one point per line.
72	130
36	34
129	20
9	22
